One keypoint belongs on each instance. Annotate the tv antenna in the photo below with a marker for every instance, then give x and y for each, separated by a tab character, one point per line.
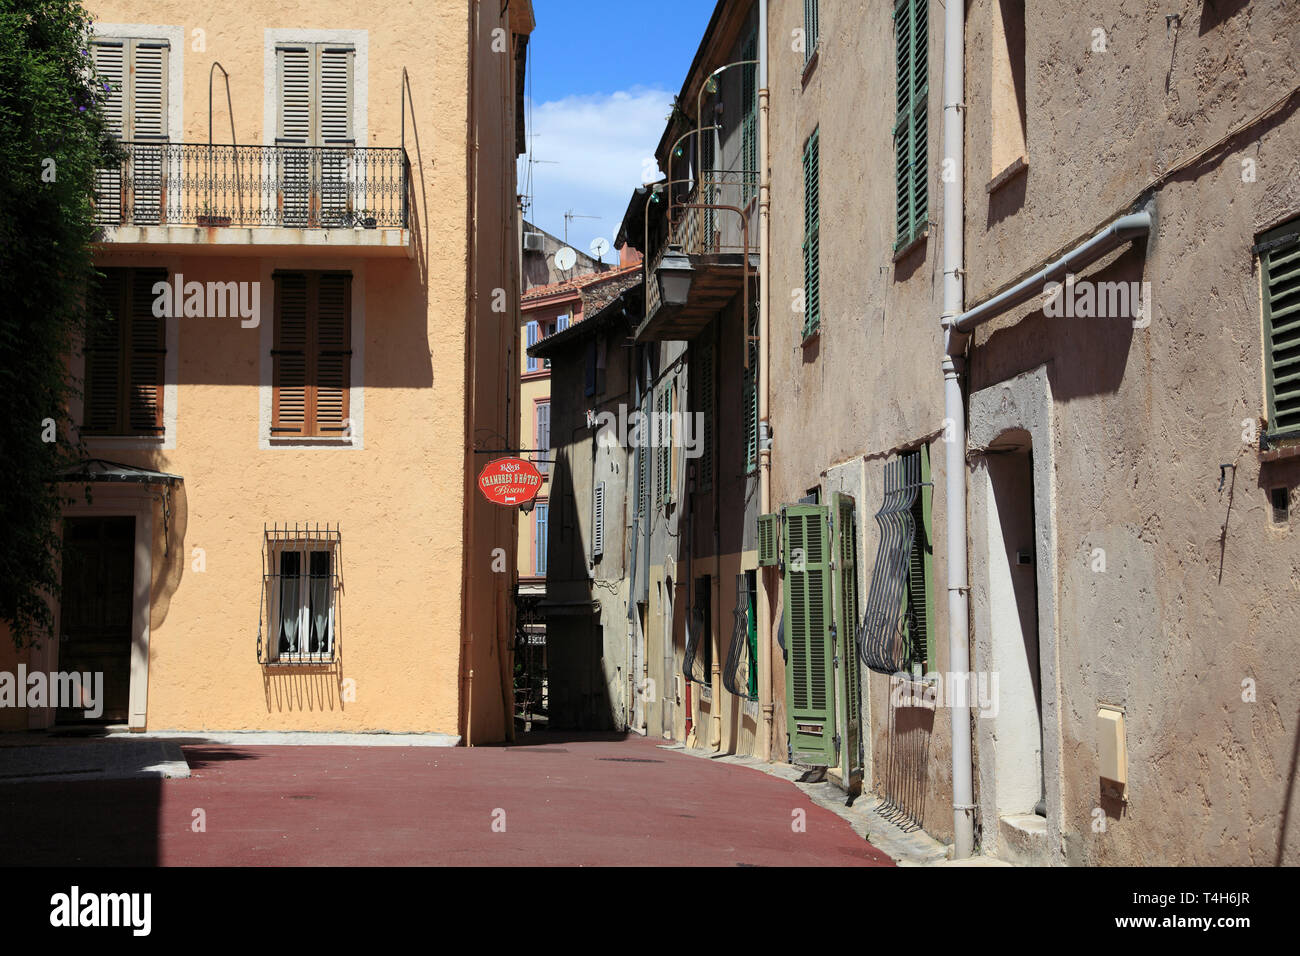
568	218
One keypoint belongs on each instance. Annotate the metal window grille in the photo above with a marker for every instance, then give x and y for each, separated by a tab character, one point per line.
298	621
887	641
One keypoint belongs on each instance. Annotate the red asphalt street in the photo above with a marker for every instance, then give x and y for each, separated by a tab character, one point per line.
551	800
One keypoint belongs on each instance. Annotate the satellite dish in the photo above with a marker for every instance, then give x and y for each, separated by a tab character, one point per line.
599	246
565	258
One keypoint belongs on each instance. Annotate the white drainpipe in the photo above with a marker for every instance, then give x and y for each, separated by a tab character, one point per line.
765	691
957	326
954	82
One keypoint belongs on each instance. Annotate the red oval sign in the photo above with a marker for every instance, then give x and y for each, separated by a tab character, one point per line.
510	481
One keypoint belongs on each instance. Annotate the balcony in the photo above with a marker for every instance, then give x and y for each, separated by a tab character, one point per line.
261	198
711	230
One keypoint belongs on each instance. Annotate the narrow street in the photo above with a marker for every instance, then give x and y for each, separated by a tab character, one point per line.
554	799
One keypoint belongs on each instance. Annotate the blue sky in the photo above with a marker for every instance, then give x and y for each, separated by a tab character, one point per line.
602	78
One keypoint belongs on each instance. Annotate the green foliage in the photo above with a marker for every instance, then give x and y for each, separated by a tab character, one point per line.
53	135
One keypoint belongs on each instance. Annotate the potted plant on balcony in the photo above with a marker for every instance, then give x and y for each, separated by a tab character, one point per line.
209	218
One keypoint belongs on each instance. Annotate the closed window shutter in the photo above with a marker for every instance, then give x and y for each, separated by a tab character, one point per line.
808	617
290	356
811	28
543	436
333	352
705	378
707	162
562	323
812	229
918	596
541	516
598	522
334	85
103	375
110	57
642	478
848	679
294	70
749	130
145	363
1280	272
911	153
532	335
148	112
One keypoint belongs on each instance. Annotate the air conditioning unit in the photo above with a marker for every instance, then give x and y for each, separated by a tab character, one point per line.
534	242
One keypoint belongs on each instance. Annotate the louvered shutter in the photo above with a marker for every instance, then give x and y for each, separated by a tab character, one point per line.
811	28
334	94
103	352
911	148
543	437
705	376
642	478
294	129
598	522
808	616
768	540
148	129
329	386
918	596
146	355
844	577
110	57
749	125
532	332
812	230
290	356
562	323
1280	272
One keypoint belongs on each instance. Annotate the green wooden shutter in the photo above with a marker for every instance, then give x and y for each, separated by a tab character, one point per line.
811	28
911	129
848	674
808	615
749	125
768	540
811	233
1280	273
918	596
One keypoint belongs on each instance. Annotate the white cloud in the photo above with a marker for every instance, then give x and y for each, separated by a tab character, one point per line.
602	147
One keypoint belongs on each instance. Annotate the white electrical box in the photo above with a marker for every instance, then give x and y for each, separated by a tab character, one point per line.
1112	754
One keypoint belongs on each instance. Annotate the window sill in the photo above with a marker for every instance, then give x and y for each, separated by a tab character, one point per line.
1281	452
811	65
919	239
298	441
152	439
1017	167
316	660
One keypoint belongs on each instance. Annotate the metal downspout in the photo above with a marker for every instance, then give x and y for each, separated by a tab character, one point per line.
765	606
963	801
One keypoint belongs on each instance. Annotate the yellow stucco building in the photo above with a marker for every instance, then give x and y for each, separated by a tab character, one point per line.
312	287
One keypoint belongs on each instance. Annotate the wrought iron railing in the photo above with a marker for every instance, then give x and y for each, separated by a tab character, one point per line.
705	223
327	187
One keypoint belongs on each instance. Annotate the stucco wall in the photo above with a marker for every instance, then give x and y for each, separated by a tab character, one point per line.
1201	588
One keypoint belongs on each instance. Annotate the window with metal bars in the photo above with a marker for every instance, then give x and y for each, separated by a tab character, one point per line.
911	130
1279	268
299	620
812	316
